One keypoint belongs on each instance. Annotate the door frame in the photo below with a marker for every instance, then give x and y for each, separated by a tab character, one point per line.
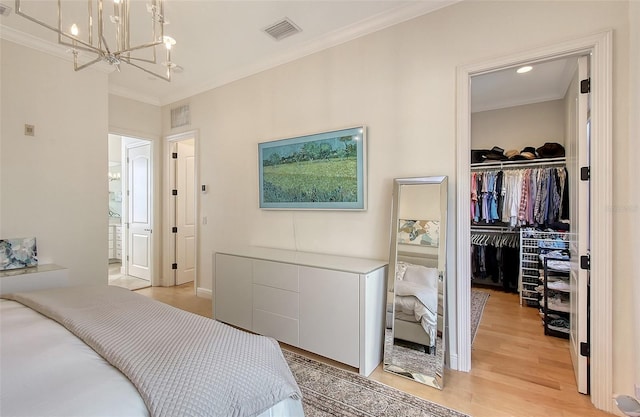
599	46
170	244
155	241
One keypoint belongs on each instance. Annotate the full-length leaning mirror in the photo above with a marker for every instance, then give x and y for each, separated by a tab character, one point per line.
416	301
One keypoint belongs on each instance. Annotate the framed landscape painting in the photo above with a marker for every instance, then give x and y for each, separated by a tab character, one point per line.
323	171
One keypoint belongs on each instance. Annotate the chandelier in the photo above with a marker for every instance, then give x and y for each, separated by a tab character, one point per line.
105	28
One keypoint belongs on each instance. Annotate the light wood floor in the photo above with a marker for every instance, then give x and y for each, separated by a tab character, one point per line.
517	370
126	281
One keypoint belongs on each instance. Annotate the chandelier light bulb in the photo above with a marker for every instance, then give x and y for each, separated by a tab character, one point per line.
74	30
168	41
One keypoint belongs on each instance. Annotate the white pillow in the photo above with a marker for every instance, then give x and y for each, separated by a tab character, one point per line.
422	275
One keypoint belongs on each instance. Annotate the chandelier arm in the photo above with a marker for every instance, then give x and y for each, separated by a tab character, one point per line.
90	20
87	47
103	51
77	67
100	23
141	46
163	77
19	12
132	58
83	46
106	45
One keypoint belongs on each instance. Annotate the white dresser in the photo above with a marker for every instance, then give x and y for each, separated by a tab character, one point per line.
329	305
41	277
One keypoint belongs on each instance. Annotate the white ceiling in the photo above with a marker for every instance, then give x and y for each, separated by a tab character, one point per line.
222	41
506	88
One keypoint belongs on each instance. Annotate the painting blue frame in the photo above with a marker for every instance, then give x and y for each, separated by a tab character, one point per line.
322	171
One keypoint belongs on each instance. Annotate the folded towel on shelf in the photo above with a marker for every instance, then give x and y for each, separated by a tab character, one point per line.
559	285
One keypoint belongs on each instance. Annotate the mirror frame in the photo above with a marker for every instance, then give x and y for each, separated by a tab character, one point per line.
436	380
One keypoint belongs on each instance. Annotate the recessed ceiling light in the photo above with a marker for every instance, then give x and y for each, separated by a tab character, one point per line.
524	69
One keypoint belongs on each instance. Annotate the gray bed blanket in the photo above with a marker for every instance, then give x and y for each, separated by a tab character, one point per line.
182	364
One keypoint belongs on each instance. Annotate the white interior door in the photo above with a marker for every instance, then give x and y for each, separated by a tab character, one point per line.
578	144
185	212
139	211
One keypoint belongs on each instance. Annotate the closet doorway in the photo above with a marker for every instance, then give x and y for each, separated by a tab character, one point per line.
597	238
528	141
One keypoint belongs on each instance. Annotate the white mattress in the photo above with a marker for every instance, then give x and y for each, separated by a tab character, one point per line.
47	371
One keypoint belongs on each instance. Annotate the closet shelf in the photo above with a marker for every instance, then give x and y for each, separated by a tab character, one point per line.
543	162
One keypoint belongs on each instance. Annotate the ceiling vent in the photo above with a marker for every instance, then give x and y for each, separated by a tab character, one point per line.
5	10
282	29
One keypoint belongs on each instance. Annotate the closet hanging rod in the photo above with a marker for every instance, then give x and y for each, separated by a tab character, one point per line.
547	162
493	230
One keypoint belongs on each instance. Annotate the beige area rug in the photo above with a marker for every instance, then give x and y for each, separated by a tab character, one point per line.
478	301
330	391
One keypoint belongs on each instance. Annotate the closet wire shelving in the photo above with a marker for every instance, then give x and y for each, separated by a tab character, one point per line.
531	243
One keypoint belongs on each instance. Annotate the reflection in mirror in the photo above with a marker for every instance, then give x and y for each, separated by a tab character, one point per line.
415	311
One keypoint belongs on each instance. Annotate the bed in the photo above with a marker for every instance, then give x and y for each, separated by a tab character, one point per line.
417	308
107	351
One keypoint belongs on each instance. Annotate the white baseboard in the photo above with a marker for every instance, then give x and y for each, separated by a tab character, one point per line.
453	361
204	292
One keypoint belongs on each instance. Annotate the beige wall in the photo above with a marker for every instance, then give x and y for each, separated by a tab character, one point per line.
53	186
400	82
134	118
518	127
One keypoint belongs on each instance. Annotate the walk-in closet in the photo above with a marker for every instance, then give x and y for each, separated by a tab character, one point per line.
519	207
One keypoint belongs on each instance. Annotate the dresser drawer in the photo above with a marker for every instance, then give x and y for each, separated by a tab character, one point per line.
284	329
277	275
277	301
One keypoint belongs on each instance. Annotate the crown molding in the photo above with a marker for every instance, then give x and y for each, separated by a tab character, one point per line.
60	51
133	95
373	24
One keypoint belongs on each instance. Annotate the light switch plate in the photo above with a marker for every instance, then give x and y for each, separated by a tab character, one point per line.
29	130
